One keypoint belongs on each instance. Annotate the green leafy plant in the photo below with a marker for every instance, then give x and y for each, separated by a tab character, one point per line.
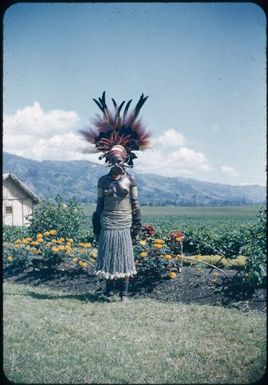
11	233
256	252
16	257
54	214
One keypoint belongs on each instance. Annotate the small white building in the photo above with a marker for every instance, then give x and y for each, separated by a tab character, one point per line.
18	201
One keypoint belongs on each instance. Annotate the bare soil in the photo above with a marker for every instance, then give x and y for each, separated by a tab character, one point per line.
190	286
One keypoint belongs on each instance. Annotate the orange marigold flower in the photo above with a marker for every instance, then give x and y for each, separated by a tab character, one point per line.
172	275
143	242
158	245
143	254
159	241
167	257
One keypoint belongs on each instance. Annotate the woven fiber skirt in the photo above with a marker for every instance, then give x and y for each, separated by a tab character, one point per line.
115	252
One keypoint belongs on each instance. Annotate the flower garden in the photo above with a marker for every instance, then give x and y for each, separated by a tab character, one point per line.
163	257
56	240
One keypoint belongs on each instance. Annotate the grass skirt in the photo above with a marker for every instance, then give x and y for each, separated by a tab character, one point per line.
115	252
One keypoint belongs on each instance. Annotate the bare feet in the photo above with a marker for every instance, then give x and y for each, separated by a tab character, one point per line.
109	299
124	299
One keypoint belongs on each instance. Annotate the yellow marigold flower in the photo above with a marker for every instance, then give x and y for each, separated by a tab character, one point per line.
18	245
61	247
158	245
54	240
87	245
67	247
159	241
167	257
75	259
82	263
172	275
62	239
59	241
40	240
53	232
29	239
18	241
94	253
10	258
39	235
143	242
55	249
46	233
70	240
143	254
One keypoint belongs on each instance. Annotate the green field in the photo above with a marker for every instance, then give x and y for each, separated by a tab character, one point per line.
174	217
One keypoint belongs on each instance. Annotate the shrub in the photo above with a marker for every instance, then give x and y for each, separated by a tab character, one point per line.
66	219
16	257
155	261
11	233
255	250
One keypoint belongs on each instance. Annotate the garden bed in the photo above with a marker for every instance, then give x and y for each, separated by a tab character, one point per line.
189	286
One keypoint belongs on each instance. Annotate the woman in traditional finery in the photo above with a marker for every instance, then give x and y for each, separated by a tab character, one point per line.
117	219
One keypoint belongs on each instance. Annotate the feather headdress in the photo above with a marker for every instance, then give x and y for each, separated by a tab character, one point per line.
115	135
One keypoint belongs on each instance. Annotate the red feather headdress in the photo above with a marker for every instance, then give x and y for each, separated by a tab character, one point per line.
115	135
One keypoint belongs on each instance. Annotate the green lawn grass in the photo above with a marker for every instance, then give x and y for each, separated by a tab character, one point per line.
56	337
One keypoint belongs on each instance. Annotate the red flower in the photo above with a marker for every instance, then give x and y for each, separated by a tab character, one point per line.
148	230
176	236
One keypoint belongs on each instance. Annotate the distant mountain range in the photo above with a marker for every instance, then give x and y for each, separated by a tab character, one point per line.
78	178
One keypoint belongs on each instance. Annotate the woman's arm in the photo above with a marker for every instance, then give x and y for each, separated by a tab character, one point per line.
136	211
96	215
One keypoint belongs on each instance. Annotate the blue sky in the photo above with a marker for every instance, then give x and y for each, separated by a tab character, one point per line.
202	65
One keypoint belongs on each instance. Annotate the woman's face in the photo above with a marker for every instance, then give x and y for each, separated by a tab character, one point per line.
117	170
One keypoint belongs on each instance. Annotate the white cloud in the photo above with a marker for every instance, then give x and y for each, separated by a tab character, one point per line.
33	133
53	135
170	157
34	120
170	139
229	171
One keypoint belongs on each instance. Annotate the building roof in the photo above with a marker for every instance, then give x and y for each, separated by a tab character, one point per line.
28	191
